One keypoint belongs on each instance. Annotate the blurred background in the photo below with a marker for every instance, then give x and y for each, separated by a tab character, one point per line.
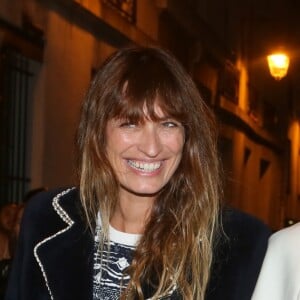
50	49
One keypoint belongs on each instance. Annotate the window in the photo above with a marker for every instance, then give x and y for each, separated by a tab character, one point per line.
16	79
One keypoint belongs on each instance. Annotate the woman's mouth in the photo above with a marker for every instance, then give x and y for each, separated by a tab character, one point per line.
144	166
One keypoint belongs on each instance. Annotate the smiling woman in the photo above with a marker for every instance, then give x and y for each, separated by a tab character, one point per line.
148	192
148	115
144	156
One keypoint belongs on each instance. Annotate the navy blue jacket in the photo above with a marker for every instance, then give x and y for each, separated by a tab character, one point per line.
54	259
238	256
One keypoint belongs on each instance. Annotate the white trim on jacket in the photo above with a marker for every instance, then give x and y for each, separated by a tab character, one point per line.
65	217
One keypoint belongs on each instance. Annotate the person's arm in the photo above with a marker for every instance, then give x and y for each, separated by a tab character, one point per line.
238	257
25	278
18	269
279	278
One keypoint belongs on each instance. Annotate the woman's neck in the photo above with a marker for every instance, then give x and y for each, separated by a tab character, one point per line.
131	213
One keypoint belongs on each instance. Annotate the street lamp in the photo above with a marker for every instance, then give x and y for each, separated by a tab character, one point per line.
278	65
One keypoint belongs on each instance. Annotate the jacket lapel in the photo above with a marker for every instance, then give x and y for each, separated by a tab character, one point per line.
66	256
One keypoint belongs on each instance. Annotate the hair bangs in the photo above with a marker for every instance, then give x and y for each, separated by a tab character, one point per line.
142	94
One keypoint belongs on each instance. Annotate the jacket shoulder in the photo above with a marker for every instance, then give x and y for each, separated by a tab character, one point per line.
238	256
245	227
286	241
39	213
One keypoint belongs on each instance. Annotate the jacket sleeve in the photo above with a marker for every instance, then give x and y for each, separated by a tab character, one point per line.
238	257
25	279
14	283
280	274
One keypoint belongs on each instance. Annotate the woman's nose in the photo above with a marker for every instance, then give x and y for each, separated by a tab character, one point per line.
150	142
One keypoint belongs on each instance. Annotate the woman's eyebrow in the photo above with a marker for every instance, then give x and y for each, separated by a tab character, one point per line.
166	118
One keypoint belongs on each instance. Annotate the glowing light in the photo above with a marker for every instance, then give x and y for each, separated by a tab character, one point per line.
278	65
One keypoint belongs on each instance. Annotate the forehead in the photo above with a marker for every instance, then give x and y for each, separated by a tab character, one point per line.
138	111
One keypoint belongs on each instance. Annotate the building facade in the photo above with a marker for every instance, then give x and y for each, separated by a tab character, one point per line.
50	50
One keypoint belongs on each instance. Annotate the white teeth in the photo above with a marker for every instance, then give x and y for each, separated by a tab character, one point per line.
146	167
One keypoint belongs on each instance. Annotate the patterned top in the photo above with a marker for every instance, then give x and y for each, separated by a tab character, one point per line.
109	280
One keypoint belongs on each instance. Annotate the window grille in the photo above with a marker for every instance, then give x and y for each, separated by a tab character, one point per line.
16	79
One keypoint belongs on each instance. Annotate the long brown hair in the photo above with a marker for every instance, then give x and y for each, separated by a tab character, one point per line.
176	247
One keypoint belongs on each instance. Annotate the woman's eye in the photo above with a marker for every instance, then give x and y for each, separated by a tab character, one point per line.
170	124
128	125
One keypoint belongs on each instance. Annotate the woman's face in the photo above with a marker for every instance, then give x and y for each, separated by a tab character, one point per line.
144	156
7	216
